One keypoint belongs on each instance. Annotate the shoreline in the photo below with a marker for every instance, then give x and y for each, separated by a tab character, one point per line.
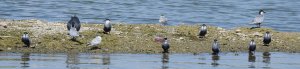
51	37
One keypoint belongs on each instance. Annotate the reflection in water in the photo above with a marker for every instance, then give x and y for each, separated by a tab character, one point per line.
251	59
25	58
215	59
266	58
106	60
165	61
72	60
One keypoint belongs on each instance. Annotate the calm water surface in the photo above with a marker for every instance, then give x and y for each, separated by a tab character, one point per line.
282	15
264	60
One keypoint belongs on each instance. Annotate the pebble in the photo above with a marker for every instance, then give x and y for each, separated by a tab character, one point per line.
181	38
8	48
219	28
237	31
257	34
118	32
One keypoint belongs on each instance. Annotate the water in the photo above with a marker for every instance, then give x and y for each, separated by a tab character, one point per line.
265	60
282	15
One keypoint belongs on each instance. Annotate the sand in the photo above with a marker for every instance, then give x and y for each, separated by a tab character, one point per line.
52	37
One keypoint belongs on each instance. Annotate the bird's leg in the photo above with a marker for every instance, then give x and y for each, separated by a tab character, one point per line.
73	38
258	25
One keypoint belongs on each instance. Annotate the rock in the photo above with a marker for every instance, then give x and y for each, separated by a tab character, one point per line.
118	32
222	31
241	34
4	26
219	28
158	38
136	27
238	31
181	38
48	29
8	48
257	34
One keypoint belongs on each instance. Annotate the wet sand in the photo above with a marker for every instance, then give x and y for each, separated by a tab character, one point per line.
52	37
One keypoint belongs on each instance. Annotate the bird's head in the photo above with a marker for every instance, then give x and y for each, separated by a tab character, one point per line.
25	32
107	20
165	38
267	32
261	12
215	40
252	40
161	14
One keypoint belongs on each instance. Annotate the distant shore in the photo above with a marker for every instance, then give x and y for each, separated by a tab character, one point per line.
50	37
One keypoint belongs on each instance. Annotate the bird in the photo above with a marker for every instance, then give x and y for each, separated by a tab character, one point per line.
74	20
202	31
267	38
96	41
26	40
215	47
107	26
165	46
73	32
162	19
259	18
252	46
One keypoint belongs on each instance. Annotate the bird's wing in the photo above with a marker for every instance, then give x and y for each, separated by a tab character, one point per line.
258	19
95	41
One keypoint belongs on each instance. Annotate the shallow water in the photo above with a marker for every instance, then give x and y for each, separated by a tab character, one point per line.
281	15
265	60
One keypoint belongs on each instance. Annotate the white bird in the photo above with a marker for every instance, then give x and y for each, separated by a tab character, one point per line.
259	18
163	19
96	41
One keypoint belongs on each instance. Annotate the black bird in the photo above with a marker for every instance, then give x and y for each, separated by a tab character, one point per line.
215	47
25	39
165	46
107	26
252	46
74	21
203	31
267	38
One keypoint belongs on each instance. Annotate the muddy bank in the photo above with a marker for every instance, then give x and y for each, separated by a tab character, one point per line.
50	37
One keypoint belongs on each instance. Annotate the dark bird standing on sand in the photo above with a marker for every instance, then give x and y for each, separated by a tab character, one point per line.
252	46
215	47
25	39
267	38
259	18
165	46
107	26
203	31
74	21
